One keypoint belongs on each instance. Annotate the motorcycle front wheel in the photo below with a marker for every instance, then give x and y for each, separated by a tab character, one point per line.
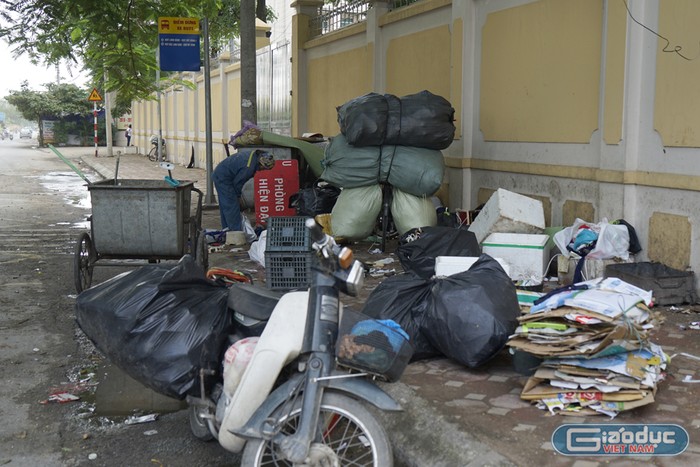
349	432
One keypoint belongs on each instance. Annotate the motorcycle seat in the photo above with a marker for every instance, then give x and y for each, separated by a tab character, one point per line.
253	301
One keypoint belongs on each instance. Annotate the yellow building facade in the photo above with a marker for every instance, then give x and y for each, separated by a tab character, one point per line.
587	105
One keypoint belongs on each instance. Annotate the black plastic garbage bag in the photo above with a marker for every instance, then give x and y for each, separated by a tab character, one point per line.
472	313
316	200
405	299
418	256
422	120
159	325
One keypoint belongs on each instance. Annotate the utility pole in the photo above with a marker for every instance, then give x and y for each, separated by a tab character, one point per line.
249	112
209	200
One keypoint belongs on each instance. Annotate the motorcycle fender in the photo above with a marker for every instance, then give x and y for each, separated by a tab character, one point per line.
355	387
361	388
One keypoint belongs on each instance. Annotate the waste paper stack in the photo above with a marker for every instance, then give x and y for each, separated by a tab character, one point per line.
592	339
388	140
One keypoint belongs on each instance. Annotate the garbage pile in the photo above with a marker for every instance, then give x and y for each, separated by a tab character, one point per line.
387	140
466	316
593	341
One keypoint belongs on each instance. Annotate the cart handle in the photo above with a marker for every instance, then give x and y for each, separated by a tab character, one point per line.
199	206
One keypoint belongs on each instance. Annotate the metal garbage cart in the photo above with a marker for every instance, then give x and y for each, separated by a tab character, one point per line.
139	219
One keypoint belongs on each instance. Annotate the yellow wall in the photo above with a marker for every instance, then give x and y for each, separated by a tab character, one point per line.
234	104
216	116
540	72
419	61
676	115
334	80
180	100
616	32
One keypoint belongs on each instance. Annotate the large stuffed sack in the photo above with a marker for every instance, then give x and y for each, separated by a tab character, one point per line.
355	212
417	171
159	325
410	212
473	313
421	120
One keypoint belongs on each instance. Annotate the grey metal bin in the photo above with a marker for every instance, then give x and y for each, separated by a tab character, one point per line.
140	219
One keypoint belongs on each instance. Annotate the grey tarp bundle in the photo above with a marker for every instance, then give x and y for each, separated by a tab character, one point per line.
421	120
159	325
417	171
467	316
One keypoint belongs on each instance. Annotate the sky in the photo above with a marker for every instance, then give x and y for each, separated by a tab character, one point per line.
14	71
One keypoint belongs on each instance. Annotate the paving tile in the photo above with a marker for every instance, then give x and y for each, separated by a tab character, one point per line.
497	378
667	407
524	427
581	463
498	411
454	384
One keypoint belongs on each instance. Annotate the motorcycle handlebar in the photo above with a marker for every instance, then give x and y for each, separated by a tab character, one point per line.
317	235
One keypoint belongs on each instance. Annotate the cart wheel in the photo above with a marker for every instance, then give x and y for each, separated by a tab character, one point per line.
201	254
84	262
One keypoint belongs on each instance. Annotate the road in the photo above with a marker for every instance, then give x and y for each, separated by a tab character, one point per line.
43	209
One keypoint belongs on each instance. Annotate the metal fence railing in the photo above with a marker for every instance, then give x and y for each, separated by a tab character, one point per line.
334	16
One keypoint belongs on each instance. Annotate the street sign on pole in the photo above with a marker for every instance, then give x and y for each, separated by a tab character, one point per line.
95	97
178	40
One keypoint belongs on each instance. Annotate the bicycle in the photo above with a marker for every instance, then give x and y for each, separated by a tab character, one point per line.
153	153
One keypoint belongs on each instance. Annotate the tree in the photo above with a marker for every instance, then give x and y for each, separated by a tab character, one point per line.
118	38
57	102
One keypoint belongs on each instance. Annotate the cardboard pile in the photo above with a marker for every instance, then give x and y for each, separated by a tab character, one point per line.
593	339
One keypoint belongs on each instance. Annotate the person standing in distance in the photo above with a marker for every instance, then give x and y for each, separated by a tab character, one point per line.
128	135
229	177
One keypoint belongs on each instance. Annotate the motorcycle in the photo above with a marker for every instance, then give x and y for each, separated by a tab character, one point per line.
292	380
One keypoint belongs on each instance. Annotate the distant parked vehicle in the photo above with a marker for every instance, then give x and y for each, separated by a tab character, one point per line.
25	133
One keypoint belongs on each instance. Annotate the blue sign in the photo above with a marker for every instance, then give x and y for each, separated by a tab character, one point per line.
620	440
179	44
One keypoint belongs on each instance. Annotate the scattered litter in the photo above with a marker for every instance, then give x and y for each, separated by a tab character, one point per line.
685	355
216	249
61	398
375	251
689	379
150	432
92	456
382	262
381	272
133	420
695	325
678	309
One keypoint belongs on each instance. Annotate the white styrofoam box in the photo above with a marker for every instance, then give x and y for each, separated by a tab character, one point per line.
448	265
509	212
527	255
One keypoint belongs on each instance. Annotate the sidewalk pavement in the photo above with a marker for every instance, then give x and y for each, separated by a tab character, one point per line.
456	416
